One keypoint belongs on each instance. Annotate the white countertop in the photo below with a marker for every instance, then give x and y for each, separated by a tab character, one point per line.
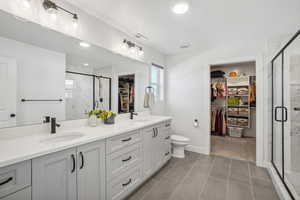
19	146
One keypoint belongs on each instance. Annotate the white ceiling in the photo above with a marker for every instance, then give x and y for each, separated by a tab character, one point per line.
207	24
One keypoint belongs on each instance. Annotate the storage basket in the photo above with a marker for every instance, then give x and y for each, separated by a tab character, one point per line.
235	132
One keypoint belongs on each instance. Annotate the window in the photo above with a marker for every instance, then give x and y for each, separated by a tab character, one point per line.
157	81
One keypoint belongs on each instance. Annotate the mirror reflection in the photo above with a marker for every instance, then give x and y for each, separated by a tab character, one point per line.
45	73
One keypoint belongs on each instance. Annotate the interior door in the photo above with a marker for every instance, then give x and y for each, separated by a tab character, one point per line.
8	92
277	114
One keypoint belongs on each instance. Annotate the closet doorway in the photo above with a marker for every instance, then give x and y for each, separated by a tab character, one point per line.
233	110
126	93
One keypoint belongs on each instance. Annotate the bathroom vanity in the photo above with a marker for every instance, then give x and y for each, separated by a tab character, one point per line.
99	163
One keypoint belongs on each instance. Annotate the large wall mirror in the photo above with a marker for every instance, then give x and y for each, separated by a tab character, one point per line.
46	73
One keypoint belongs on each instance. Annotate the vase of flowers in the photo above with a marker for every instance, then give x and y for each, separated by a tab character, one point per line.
108	117
93	115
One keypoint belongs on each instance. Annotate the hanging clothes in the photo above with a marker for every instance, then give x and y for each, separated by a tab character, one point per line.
218	90
219	122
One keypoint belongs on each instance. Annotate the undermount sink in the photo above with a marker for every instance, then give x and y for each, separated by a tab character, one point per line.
141	120
62	137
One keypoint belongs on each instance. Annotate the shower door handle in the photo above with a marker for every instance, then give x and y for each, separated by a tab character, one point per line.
285	114
276	111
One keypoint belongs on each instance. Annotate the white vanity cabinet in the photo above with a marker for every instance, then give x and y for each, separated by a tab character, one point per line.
156	148
66	175
91	171
123	164
15	181
20	195
54	176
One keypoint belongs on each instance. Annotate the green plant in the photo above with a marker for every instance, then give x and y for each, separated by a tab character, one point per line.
107	114
96	112
101	114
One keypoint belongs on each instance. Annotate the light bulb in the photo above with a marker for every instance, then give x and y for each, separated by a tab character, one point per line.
124	46
75	24
25	4
132	50
75	21
141	52
53	16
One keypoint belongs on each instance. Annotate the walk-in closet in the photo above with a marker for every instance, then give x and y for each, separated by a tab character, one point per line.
126	93
233	110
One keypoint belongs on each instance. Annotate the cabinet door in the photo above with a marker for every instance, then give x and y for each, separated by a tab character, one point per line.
159	148
54	176
149	152
91	171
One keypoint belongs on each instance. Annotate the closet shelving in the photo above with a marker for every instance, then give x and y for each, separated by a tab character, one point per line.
238	102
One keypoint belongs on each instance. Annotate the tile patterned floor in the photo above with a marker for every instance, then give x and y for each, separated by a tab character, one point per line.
235	148
201	177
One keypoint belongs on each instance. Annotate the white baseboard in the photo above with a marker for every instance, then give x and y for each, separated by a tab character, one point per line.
197	149
279	187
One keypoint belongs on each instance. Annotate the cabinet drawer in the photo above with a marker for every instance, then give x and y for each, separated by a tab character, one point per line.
119	142
120	161
14	178
120	187
20	195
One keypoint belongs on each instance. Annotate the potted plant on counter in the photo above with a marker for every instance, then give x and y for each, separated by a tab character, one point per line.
108	117
94	115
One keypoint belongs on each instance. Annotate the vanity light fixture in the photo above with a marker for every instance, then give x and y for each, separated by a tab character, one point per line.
52	8
132	47
180	8
84	44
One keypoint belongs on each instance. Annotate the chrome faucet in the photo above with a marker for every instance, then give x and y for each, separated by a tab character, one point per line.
131	114
54	125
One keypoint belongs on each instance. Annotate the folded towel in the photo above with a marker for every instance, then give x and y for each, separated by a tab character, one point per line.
146	100
151	99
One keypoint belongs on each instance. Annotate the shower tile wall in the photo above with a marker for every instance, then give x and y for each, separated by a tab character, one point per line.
79	96
295	115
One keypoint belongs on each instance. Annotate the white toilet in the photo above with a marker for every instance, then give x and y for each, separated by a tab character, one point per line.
178	144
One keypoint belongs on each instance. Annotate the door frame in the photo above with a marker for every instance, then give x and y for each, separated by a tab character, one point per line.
261	136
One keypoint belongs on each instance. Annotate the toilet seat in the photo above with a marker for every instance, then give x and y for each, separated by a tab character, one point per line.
179	138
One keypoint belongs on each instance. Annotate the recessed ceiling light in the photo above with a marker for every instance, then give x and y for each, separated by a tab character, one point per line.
84	44
86	64
180	8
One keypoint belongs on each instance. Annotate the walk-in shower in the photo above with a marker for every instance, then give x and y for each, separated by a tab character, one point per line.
286	115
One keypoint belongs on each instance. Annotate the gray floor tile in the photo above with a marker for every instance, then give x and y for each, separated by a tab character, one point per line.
259	172
190	188
142	190
215	189
202	177
220	168
264	190
239	171
239	191
162	190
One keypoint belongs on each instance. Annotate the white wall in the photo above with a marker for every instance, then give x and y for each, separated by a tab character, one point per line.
188	87
40	75
90	28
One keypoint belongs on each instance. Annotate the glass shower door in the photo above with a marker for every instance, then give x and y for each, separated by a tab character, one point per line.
277	115
292	127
